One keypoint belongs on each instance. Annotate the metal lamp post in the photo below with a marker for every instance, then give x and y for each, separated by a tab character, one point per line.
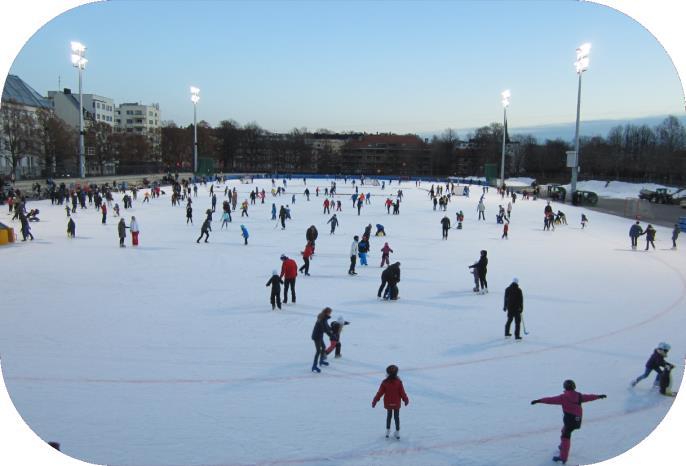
195	97
506	101
78	59
581	65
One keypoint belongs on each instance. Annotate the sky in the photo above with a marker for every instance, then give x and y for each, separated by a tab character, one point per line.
359	66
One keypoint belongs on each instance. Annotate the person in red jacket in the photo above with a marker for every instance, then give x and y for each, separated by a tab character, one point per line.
393	391
289	272
307	253
571	408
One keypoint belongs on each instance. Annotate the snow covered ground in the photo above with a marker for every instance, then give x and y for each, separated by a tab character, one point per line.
618	189
170	354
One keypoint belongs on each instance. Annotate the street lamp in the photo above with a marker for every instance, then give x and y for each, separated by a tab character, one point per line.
195	96
78	59
506	101
581	65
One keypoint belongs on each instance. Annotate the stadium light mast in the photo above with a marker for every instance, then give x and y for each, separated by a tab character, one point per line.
78	59
506	102
581	65
195	97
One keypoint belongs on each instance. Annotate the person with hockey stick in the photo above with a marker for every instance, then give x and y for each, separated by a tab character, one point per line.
514	305
656	363
289	272
480	269
571	401
275	282
393	392
445	224
334	222
321	327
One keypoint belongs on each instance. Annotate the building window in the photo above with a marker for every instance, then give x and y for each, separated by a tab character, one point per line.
149	122
129	130
93	104
98	104
129	112
129	122
139	112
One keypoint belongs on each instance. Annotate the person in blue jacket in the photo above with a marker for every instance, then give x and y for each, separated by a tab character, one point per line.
244	233
634	232
273	211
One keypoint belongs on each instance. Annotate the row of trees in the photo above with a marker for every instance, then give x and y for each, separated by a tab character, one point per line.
629	152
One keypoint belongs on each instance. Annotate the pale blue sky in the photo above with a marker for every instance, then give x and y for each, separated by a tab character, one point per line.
359	65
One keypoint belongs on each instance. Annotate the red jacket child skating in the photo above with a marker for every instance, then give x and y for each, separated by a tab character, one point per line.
571	401
393	391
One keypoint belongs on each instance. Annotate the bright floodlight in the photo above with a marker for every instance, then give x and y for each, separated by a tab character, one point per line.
195	94
506	97
78	48
582	59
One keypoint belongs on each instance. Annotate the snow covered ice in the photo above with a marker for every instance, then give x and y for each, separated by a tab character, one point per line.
170	354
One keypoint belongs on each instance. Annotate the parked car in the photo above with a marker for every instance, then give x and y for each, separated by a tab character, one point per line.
585	198
661	196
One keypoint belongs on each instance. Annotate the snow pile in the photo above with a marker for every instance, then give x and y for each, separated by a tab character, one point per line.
617	189
169	353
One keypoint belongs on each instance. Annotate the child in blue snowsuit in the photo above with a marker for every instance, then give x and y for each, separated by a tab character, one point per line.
244	233
273	211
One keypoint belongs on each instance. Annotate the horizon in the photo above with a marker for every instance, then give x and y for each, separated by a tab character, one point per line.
292	83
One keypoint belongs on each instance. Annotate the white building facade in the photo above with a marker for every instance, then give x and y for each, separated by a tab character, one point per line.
136	118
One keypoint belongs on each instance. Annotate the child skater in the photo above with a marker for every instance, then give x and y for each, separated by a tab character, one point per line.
71	228
275	283
584	221
571	409
656	363
336	329
393	391
244	234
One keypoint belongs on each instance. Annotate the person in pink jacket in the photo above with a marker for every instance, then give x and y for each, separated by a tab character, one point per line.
393	391
571	408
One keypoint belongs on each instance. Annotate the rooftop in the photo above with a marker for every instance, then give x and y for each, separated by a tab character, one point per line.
18	91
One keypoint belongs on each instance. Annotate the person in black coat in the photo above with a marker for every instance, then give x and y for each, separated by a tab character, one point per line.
445	222
205	230
514	305
480	269
311	236
321	327
275	283
650	237
71	228
389	280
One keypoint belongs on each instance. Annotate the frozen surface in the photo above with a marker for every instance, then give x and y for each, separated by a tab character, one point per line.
170	354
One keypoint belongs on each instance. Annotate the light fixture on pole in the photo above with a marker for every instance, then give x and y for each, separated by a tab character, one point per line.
581	65
506	101
195	97
78	59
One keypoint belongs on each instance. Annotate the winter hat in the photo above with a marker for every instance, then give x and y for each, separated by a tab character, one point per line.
356	237
515	280
569	385
284	257
340	320
274	272
392	370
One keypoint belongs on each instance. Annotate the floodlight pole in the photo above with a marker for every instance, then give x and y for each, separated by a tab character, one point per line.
82	147
575	168
195	137
502	159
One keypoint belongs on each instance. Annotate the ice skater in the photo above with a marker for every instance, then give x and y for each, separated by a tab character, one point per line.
656	363
354	250
321	327
480	269
205	230
650	236
336	329
634	232
244	234
514	305
571	401
675	235
135	231
385	254
121	229
275	282
289	272
445	225
71	228
393	392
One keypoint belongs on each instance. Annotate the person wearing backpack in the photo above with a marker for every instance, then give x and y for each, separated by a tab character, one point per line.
392	391
572	413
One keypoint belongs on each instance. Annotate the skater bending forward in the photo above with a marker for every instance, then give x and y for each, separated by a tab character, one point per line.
572	412
393	391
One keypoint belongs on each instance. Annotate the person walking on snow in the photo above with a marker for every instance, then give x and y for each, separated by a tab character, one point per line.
392	391
321	327
656	363
634	232
121	228
135	231
650	237
354	250
275	282
334	222
445	222
514	305
385	254
675	235
571	401
336	329
289	272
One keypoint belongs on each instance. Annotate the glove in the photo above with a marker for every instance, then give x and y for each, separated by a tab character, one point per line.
373	404
535	401
407	403
504	309
602	397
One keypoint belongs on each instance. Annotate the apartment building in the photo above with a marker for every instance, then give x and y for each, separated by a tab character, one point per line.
136	118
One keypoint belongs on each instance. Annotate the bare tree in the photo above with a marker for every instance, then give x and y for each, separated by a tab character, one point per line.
19	131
